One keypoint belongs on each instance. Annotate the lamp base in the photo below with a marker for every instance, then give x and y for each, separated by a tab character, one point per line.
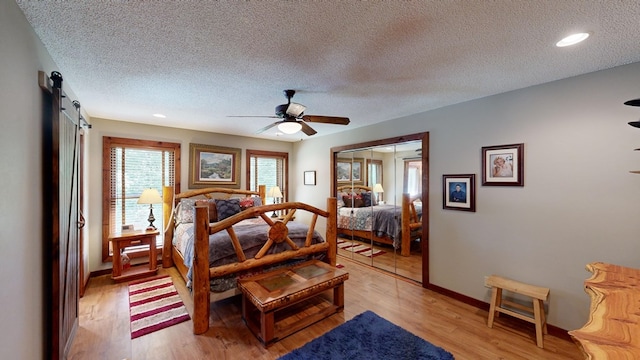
274	215
151	219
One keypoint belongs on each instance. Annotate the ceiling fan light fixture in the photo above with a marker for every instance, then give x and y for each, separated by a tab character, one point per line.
289	127
295	109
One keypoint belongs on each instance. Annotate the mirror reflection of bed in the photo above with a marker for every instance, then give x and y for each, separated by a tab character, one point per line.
374	178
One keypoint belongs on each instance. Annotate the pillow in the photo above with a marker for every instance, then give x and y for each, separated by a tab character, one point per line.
257	201
227	208
355	202
185	211
246	203
213	212
367	199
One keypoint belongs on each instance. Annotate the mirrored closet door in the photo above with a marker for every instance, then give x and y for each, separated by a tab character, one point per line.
381	221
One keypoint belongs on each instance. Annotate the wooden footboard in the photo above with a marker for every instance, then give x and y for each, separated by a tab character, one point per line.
202	273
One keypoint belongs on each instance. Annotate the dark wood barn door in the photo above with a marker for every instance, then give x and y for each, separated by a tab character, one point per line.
61	217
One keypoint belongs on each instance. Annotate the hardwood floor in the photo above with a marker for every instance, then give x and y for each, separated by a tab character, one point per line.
391	261
460	328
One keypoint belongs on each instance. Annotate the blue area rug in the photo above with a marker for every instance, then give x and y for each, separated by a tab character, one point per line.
368	336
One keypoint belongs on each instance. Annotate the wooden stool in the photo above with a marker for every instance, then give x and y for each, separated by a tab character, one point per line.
537	293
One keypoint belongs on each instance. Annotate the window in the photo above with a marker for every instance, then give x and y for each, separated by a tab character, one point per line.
413	177
130	167
270	169
374	172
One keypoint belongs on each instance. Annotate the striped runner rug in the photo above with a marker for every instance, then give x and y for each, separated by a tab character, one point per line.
364	250
154	304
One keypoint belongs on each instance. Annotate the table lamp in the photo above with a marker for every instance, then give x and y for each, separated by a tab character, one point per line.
377	188
275	193
150	196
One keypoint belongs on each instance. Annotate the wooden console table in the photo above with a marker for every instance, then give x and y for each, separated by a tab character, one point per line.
613	328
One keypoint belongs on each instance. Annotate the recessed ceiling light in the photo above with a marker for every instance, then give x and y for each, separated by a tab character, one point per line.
572	39
159	116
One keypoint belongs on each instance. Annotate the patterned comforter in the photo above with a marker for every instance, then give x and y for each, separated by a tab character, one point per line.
384	220
252	234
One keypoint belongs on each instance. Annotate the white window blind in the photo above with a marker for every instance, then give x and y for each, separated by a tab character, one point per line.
268	170
132	171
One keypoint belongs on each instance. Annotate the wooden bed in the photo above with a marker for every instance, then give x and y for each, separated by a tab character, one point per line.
277	235
410	221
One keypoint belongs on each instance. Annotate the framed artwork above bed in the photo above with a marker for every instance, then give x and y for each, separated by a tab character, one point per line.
211	165
350	171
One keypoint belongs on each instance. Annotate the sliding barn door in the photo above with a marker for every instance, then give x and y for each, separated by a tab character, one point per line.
62	217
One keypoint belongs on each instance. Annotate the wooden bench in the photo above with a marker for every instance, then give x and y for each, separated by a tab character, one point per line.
536	293
281	302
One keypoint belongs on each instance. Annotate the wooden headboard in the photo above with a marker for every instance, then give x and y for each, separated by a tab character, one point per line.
353	188
171	200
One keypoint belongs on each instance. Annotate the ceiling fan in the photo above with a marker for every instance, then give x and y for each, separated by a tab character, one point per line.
294	120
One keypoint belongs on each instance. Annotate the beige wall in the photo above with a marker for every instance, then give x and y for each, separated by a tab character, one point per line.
579	203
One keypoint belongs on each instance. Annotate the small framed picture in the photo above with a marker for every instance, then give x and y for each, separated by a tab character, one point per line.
459	192
503	165
310	177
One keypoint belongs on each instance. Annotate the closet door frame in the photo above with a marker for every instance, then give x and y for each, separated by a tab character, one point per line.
424	156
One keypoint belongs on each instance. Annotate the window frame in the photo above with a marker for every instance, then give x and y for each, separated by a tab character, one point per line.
269	154
107	143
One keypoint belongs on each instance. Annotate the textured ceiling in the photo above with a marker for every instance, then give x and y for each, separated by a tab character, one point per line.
199	62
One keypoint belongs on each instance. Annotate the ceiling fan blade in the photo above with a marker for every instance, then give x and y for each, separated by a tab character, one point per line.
634	102
326	119
255	116
307	129
268	127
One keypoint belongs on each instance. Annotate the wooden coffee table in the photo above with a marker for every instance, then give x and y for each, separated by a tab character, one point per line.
281	302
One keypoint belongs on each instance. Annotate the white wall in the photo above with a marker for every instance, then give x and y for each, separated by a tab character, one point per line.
102	127
579	203
22	298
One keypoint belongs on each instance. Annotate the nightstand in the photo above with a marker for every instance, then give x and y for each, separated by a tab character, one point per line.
133	238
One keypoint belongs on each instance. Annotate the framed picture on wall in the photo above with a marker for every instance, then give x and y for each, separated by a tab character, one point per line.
459	192
343	170
350	170
503	165
211	165
310	177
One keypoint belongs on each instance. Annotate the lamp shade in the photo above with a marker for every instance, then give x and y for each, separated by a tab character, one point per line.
378	188
150	196
289	127
275	192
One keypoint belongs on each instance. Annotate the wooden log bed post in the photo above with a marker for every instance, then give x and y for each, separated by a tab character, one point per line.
200	272
167	216
405	249
332	232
